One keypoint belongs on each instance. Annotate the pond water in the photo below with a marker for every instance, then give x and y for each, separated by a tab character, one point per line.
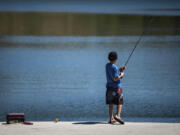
52	64
66	78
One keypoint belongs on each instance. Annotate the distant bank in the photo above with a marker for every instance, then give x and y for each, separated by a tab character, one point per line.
86	24
143	7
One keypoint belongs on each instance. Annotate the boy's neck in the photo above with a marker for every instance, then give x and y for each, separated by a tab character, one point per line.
112	62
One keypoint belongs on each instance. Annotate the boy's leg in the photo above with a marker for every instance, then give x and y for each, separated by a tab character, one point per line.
118	116
119	108
111	112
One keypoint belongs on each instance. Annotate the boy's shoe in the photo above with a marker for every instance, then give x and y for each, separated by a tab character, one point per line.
119	120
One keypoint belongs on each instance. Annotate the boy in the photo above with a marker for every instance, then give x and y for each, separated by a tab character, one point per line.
114	91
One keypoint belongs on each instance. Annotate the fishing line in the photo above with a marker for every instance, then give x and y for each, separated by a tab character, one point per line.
138	41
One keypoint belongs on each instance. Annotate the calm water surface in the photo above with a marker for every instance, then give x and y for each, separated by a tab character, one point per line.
66	78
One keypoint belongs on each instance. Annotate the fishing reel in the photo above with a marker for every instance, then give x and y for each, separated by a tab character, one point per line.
121	69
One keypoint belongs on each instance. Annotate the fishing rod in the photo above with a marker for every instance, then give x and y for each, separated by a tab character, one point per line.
136	44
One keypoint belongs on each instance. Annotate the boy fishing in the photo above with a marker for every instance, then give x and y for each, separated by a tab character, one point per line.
114	94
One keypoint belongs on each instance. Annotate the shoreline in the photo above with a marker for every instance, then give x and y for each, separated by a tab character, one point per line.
88	128
105	120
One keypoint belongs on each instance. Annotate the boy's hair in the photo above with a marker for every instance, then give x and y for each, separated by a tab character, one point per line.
112	56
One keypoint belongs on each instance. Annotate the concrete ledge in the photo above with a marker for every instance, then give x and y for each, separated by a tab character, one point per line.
90	128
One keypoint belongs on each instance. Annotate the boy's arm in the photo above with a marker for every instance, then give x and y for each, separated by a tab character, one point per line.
119	77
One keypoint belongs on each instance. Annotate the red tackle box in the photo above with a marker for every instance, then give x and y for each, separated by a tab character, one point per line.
17	117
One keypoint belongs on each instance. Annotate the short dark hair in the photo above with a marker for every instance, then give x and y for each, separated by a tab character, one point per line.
112	56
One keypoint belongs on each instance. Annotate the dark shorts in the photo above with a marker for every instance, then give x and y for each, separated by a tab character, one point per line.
114	96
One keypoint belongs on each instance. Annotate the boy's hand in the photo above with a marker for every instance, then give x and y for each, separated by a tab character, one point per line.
124	67
119	77
122	74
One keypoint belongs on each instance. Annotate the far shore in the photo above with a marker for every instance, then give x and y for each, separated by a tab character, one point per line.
86	24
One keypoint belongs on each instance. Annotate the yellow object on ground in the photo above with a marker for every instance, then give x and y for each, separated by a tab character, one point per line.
57	120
